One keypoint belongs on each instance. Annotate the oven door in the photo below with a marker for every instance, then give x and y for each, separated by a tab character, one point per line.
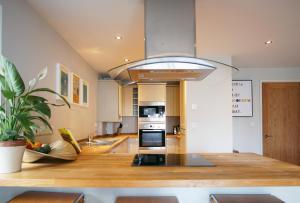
149	139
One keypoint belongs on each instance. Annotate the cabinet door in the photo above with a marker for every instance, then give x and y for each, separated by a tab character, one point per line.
172	145
133	145
172	101
108	101
152	92
183	104
120	101
127	99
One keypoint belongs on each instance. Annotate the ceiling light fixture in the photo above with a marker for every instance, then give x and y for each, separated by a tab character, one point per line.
268	42
126	59
118	37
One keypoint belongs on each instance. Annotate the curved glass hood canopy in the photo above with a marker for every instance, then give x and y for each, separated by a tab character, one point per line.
169	30
165	69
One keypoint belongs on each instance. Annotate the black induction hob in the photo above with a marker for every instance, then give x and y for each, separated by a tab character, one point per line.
192	160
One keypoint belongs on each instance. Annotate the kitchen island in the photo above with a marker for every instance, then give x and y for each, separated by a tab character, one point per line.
115	170
103	177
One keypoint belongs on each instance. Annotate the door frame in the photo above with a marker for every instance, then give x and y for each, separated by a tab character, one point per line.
261	107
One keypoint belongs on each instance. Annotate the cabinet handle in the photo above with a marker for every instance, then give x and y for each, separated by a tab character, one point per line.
267	136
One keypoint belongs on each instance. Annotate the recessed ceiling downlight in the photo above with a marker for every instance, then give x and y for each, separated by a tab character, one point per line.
118	37
126	59
268	42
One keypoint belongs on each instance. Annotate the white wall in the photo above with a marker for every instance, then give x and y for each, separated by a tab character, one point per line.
209	126
32	44
247	132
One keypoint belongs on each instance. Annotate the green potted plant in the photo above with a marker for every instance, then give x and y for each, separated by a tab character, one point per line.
23	111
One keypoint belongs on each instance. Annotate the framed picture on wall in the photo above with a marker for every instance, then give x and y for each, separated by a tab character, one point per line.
75	89
63	85
84	93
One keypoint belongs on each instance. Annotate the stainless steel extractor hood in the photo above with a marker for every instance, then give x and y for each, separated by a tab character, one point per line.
170	52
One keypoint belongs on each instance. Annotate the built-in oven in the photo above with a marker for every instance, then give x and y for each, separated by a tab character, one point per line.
152	136
152	111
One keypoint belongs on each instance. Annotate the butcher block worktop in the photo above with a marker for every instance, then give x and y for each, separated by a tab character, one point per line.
104	148
115	170
120	139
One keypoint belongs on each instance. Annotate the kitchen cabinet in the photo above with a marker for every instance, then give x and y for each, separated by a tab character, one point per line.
129	100
182	105
172	145
183	132
173	101
133	145
109	101
152	92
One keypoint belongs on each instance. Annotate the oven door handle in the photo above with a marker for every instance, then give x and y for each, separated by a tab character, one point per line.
152	130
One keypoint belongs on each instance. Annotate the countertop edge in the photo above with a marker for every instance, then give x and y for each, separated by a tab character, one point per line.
74	183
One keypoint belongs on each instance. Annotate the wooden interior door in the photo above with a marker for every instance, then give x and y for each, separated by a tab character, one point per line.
281	121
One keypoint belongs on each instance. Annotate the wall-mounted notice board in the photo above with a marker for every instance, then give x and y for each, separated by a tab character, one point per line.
242	104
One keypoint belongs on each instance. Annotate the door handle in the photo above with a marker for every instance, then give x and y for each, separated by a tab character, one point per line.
267	136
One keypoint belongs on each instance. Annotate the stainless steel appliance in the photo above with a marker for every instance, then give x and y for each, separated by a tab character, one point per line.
152	126
191	160
169	46
152	111
152	136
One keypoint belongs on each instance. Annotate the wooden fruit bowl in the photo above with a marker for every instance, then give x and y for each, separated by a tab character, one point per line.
59	150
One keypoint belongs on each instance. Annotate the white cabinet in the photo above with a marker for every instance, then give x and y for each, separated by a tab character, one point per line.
152	92
127	107
129	100
133	145
109	101
172	145
173	101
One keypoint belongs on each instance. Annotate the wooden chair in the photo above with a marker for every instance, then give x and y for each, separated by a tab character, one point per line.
46	197
244	198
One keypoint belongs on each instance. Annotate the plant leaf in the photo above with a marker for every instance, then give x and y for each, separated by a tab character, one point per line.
43	109
24	119
3	83
50	91
2	112
55	104
35	99
29	135
6	91
9	135
43	120
12	76
8	94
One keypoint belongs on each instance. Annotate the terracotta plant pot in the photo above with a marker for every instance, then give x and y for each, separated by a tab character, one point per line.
11	155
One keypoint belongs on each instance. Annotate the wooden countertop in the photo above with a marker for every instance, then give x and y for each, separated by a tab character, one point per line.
107	148
135	135
104	148
115	170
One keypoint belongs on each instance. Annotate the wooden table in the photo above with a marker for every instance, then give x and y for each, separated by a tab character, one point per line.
115	170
